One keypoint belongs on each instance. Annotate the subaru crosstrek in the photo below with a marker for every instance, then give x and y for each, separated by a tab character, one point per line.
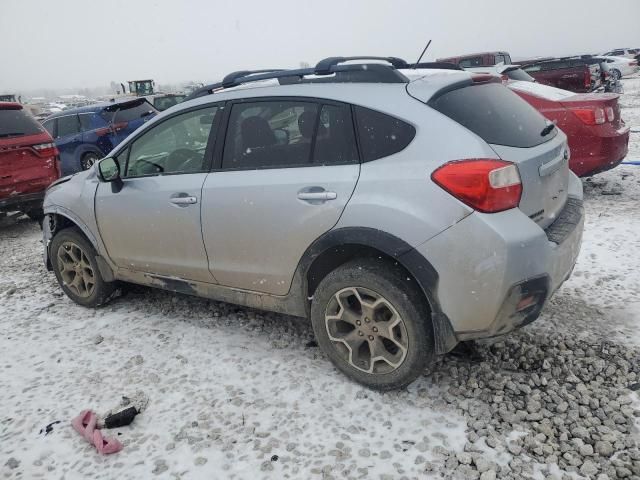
401	216
86	134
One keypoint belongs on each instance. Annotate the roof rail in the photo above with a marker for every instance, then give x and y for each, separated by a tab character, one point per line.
323	67
436	65
343	73
230	79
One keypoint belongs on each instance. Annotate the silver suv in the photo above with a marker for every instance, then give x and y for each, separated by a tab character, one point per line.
402	211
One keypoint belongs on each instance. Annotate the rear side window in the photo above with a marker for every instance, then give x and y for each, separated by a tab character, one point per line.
85	121
270	134
495	114
380	134
16	123
68	125
126	112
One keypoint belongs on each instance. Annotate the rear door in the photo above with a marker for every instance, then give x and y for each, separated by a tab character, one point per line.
288	169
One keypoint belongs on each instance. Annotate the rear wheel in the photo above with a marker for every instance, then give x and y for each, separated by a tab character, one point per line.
373	323
617	75
88	160
74	263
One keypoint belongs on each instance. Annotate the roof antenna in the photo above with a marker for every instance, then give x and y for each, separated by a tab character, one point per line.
415	65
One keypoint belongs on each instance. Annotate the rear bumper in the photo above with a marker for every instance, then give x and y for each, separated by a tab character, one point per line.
597	154
25	201
497	271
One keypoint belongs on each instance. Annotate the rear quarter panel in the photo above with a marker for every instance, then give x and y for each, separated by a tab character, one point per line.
395	194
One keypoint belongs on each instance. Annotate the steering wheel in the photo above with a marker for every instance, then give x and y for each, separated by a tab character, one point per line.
157	168
181	159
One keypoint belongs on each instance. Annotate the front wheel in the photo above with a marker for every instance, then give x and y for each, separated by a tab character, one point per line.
373	323
74	263
88	160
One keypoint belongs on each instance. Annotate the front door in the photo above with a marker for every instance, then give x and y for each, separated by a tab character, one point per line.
153	223
288	170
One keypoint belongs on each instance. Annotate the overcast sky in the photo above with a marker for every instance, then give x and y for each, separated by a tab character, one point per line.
86	43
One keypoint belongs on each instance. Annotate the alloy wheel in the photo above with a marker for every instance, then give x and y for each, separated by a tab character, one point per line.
366	330
75	269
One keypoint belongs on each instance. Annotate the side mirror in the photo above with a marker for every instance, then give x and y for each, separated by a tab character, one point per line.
109	171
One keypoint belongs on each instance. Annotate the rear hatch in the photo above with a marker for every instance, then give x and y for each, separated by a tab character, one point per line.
518	134
126	117
28	158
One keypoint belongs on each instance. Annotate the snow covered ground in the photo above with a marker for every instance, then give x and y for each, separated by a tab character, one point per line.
236	393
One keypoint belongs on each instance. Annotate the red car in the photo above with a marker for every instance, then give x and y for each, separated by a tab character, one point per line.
598	138
28	161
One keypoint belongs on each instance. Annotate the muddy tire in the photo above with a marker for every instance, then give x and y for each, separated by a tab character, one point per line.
73	260
374	324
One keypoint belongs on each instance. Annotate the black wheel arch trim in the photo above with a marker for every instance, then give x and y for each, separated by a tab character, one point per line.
105	268
408	257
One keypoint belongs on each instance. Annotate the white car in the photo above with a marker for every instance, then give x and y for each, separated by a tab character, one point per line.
623	52
621	66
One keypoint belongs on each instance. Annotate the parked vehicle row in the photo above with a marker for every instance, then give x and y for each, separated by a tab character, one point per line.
338	167
580	74
84	135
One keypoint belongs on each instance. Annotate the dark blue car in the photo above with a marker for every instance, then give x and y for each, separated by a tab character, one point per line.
86	134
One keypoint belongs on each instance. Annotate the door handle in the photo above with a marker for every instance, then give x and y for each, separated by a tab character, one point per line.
183	200
317	196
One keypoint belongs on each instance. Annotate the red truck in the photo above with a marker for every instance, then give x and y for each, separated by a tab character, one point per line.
573	74
484	59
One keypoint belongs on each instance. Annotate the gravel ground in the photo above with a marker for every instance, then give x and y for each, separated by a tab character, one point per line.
236	393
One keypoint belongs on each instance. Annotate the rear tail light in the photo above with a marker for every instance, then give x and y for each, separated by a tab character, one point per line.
486	185
45	149
587	79
590	116
633	63
611	116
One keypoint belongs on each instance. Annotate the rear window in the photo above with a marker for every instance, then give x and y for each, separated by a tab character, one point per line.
495	114
126	112
381	135
16	123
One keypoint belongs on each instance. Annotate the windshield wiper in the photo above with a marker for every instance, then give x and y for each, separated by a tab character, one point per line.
11	134
547	130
